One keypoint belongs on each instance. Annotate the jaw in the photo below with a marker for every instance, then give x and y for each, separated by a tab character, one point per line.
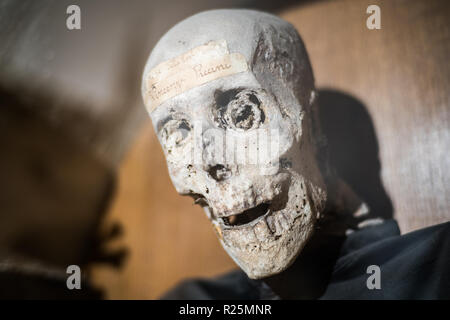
260	253
272	241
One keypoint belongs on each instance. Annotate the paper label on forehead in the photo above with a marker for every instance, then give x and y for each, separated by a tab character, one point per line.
191	69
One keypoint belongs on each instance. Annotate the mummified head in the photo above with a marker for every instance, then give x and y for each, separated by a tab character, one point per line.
231	96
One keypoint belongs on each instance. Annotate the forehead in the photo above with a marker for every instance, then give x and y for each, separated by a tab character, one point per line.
196	101
238	28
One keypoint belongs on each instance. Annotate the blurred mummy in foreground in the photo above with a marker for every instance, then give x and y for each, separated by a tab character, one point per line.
220	87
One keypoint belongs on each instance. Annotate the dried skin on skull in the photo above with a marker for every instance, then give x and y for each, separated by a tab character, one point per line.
265	211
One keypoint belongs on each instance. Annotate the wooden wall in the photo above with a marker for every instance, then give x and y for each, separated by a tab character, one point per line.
401	75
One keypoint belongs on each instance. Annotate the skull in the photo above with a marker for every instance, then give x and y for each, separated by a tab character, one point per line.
231	96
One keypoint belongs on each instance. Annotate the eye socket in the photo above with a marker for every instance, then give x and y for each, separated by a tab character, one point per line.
174	132
238	109
243	116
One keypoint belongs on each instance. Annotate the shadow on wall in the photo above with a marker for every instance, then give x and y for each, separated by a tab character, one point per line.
353	148
353	153
53	198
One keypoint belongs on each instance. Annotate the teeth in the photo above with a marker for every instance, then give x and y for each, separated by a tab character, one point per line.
232	219
261	230
247	216
278	222
271	223
283	222
275	224
287	217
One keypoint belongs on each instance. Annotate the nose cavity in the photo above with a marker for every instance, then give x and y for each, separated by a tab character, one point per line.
219	172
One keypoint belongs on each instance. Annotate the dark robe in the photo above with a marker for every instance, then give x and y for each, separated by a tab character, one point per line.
412	266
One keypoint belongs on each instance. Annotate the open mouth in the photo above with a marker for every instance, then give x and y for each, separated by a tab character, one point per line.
247	216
